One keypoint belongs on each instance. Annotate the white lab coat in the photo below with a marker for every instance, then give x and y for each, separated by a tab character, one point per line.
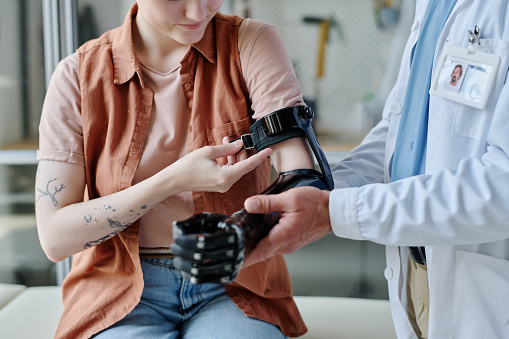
459	209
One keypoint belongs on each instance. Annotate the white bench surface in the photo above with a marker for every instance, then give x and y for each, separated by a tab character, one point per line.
34	313
349	318
9	292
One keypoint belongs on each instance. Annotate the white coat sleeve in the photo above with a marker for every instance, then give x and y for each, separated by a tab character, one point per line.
364	164
465	205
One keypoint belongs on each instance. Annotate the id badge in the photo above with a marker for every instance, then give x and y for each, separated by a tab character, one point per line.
465	75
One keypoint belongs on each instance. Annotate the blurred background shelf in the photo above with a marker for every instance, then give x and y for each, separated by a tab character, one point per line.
18	157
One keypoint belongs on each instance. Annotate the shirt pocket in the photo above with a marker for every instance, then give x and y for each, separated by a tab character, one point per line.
481	296
233	130
472	122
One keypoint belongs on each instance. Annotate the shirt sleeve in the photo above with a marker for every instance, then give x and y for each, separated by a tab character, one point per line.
60	128
267	69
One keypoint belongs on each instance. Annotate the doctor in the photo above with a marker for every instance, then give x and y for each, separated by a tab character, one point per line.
430	181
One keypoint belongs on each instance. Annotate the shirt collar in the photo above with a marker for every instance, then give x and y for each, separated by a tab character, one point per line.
207	45
125	60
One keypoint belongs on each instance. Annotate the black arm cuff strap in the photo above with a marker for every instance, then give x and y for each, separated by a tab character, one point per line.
284	124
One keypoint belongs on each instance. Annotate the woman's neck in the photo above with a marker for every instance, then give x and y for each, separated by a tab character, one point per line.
156	50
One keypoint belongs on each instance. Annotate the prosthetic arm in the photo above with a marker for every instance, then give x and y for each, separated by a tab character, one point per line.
210	248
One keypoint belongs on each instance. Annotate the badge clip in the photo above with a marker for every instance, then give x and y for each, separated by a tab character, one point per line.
474	38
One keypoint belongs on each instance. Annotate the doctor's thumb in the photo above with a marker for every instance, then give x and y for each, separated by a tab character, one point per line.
264	204
253	205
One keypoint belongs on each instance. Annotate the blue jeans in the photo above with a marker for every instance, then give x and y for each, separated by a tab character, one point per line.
171	307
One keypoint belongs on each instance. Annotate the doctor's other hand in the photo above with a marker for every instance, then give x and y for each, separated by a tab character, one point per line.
304	219
203	171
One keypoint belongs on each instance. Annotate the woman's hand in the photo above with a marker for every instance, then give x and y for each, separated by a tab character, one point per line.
200	170
239	156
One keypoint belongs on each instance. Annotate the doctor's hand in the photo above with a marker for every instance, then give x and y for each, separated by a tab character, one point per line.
205	169
304	219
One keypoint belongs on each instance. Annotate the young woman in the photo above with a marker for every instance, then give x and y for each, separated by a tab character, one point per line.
135	133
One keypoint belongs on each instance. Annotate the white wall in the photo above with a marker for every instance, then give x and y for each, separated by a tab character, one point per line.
10	73
11	109
108	14
35	63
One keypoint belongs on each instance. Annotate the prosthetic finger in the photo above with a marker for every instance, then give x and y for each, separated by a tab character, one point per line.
202	223
219	279
206	242
226	253
207	272
203	269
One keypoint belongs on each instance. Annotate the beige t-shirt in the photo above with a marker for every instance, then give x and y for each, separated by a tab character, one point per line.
270	80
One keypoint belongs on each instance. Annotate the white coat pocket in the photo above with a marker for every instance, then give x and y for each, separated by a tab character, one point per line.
472	122
481	297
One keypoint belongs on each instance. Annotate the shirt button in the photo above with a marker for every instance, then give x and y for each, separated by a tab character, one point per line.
187	86
388	273
396	108
415	25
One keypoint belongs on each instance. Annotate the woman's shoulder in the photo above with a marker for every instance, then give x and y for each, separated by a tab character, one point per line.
254	32
251	27
67	68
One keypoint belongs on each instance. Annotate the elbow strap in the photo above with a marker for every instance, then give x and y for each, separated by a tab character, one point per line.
284	124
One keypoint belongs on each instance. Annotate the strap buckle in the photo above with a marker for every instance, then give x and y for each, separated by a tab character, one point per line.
248	141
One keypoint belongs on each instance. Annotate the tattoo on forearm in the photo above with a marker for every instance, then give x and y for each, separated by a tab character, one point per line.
101	240
89	218
50	194
115	224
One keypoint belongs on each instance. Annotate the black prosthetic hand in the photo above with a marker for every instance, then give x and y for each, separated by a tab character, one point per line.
210	248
